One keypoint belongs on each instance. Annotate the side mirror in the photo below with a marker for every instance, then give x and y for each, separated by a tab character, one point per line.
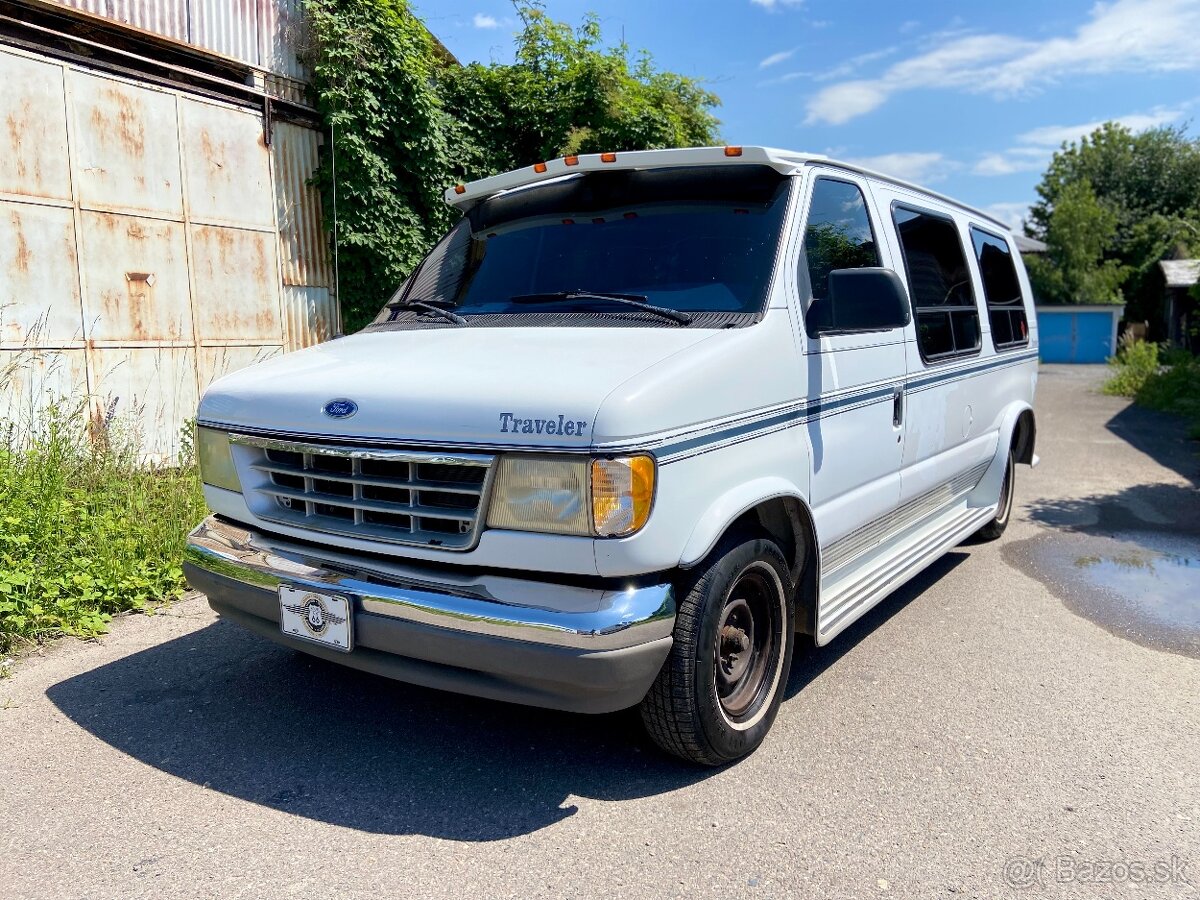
870	299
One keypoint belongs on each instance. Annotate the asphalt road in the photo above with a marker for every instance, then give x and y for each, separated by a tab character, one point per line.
969	727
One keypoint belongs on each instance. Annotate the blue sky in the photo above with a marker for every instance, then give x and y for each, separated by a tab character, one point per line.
968	98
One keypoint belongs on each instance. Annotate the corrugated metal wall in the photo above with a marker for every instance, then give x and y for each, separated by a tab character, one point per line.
150	241
262	33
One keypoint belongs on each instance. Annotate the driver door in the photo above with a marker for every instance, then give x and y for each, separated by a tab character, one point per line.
855	381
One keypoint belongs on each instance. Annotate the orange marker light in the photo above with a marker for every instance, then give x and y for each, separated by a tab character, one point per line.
608	157
568	221
460	189
733	151
539	168
571	160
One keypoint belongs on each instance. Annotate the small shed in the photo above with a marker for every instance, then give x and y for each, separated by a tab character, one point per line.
1181	307
1077	333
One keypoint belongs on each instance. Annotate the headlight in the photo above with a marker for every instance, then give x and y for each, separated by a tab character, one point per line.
538	493
216	461
622	492
578	496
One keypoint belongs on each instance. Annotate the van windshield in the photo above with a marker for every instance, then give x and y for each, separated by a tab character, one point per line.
696	239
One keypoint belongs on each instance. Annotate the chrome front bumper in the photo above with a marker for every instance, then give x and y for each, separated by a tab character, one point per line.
587	649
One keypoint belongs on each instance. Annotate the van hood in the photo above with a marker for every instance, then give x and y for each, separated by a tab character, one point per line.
539	387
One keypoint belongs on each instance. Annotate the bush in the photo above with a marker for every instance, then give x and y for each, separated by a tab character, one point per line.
1176	389
87	529
1166	379
1135	362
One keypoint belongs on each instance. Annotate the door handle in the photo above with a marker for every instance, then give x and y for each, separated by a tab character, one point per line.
897	407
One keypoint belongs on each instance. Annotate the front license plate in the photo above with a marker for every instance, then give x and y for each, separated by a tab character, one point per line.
316	616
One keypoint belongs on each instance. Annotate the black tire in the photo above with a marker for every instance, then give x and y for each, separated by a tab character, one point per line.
720	688
995	528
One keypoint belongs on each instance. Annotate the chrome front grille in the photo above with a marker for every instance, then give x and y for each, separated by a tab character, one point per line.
410	497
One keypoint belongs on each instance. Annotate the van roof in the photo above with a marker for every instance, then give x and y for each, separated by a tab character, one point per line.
787	162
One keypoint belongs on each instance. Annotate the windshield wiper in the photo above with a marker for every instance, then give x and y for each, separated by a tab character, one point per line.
430	307
637	301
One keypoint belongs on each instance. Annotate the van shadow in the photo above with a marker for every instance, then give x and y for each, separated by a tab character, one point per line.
227	710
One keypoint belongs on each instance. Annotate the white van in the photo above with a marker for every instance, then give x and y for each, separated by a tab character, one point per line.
638	422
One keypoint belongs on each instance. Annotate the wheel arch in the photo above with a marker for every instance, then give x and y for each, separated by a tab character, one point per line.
773	508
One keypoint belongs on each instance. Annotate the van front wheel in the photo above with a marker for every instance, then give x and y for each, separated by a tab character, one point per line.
720	688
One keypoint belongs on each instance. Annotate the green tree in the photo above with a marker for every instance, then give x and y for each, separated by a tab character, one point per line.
406	124
567	93
1150	183
1078	232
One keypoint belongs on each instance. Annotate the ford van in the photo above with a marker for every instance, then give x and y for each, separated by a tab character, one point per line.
638	426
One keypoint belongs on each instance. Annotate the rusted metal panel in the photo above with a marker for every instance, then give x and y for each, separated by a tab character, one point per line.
237	284
39	276
136	279
302	239
33	143
126	146
228	27
284	32
32	380
214	362
152	389
310	314
227	164
167	18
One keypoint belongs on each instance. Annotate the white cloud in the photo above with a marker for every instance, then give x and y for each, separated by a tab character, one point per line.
776	58
854	63
482	20
1013	214
1034	148
776	4
1133	36
923	167
1055	135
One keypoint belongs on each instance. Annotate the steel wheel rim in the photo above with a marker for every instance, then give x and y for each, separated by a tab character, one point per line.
745	647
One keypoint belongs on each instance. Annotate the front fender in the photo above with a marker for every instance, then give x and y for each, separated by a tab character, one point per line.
726	509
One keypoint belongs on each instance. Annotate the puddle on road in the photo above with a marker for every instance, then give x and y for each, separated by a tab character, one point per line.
1144	586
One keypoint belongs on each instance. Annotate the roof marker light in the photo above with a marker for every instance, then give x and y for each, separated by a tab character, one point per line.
733	151
571	160
460	189
539	167
608	157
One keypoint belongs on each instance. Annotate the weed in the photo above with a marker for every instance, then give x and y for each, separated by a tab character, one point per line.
88	527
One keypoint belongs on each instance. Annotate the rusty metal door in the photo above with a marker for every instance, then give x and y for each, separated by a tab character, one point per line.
150	241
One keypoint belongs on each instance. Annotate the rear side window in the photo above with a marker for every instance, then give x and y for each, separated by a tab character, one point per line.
838	234
939	284
1001	290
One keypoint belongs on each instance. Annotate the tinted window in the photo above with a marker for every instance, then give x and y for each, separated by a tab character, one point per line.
699	239
838	234
1001	290
939	284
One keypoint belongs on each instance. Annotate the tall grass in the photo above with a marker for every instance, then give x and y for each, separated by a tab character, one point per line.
88	526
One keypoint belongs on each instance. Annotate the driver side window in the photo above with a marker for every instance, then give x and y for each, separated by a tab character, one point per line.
838	234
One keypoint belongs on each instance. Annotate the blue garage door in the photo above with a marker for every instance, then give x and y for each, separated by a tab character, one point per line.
1075	337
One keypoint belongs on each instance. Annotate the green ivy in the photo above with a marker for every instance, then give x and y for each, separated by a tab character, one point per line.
406	124
373	72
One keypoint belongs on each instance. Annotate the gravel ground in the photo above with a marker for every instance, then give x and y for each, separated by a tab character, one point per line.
971	734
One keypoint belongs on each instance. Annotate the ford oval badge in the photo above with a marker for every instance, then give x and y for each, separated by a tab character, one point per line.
340	409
